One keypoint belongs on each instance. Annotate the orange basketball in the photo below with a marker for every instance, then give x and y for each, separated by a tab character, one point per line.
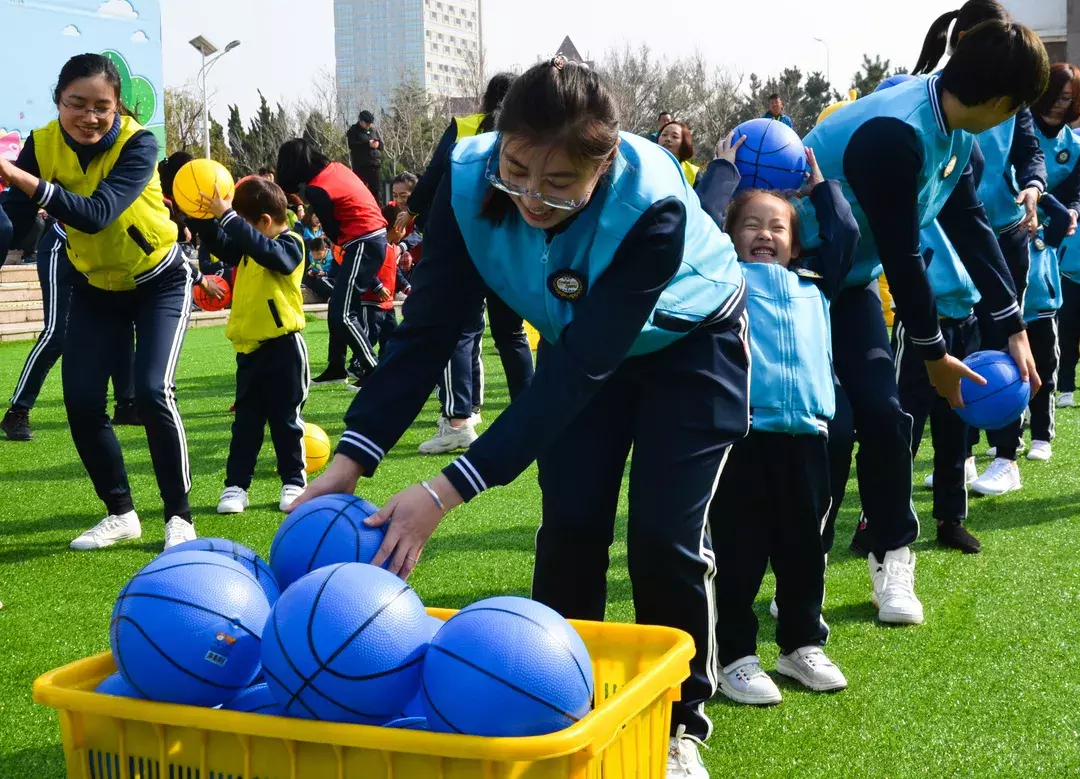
207	303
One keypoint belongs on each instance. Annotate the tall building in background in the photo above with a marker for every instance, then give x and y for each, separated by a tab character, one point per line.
380	44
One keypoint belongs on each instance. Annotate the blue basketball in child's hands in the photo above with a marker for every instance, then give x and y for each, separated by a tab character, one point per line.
329	529
187	629
1001	400
771	157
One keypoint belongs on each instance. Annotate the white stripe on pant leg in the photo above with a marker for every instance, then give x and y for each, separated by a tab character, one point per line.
305	382
1054	375
448	389
709	556
480	360
170	378
49	331
900	349
350	289
821	616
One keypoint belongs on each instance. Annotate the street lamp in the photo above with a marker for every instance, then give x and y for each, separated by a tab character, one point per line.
828	65
206	48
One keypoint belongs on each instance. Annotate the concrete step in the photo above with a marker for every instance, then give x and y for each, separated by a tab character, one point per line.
19	291
18	273
19	331
22	311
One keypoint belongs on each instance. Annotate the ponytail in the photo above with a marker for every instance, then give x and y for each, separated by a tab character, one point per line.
938	41
934	45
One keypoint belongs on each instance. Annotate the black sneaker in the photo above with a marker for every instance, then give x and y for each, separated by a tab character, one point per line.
355	370
955	536
331	376
861	541
126	414
16	424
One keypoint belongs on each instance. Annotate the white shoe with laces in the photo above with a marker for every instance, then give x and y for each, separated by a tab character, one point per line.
112	529
684	760
1065	400
178	531
449	438
744	682
811	668
1040	450
1000	477
894	588
971	473
289	493
233	501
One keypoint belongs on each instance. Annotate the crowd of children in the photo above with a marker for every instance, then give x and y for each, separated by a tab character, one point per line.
960	184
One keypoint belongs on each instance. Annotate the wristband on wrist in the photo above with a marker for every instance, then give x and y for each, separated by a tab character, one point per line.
434	496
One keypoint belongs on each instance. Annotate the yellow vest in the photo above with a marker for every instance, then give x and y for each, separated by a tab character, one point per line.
137	241
468	126
265	304
690	170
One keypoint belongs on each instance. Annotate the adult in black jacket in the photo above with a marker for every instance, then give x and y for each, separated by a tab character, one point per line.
365	151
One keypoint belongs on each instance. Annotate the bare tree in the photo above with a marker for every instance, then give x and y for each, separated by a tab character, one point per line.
411	128
636	77
323	119
183	120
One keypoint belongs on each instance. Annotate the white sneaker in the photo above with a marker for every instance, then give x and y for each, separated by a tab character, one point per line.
1065	400
1040	450
1021	445
810	667
971	473
1000	476
233	501
683	759
476	419
894	588
744	682
289	493
112	529
178	531
774	610
450	439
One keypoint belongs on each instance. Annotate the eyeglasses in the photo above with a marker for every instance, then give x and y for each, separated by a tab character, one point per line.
1063	101
560	203
97	113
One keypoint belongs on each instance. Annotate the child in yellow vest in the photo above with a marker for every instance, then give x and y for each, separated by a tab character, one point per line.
272	375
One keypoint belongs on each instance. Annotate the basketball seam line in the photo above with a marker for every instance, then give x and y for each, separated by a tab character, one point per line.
555	637
179	667
511	685
144	572
431	703
195	606
296	523
281	684
318	547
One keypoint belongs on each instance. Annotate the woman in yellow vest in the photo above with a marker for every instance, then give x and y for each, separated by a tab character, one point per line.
677	139
95	170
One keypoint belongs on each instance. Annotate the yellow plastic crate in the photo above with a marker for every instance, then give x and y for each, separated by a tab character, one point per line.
638	671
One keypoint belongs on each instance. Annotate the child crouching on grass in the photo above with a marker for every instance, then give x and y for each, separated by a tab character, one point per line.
773	494
252	233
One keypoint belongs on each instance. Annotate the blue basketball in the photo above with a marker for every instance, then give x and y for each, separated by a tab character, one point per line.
321	532
771	157
115	685
187	629
506	667
345	644
255	565
1001	400
893	81
256	699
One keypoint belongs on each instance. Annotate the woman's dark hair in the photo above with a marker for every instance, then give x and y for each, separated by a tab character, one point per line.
87	66
257	196
409	179
938	39
557	103
686	147
317	244
299	161
169	167
997	59
738	203
1062	74
494	95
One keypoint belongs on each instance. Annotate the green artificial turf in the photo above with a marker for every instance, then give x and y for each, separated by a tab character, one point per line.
987	687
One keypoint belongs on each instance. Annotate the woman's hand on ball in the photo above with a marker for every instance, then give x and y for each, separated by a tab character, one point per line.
945	375
340	477
1020	349
726	150
412	515
211	288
